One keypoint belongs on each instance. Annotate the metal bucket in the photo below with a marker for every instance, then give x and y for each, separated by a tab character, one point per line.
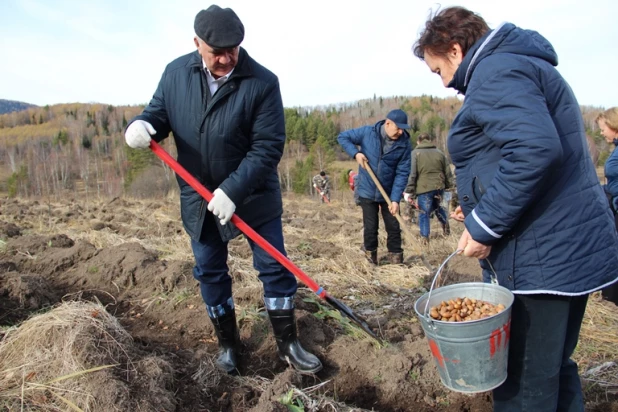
471	356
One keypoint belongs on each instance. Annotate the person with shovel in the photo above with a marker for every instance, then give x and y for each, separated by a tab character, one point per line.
386	147
530	199
430	175
226	115
321	183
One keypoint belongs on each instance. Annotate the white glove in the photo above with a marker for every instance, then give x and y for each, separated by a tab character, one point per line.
321	193
407	197
315	186
221	206
138	134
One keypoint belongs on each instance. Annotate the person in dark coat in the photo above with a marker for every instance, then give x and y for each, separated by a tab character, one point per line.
226	114
532	204
430	175
608	124
386	147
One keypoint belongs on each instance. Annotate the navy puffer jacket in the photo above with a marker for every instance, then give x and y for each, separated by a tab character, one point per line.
391	168
525	179
233	141
611	175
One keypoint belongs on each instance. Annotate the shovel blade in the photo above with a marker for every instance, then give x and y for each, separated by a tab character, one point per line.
347	312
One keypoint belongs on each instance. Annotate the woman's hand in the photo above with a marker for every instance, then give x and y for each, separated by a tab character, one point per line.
471	247
457	214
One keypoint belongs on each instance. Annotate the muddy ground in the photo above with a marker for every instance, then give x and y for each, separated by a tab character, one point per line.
133	257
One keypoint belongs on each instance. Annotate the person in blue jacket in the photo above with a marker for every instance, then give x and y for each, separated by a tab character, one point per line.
226	115
608	124
386	147
531	202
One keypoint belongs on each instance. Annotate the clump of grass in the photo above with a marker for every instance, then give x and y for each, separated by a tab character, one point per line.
183	295
66	359
307	399
292	402
350	328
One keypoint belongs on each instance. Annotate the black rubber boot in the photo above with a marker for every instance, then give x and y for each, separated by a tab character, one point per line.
446	229
290	349
395	258
229	342
372	256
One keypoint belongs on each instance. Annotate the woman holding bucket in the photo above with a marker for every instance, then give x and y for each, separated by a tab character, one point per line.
532	204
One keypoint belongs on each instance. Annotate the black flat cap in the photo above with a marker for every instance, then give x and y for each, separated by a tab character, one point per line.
219	28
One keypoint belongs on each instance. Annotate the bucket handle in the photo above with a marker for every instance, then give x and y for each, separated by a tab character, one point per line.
493	277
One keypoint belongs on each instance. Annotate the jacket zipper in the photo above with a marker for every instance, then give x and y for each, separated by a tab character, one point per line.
222	92
380	164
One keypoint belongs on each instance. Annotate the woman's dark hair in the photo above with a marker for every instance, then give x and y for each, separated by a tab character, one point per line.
449	26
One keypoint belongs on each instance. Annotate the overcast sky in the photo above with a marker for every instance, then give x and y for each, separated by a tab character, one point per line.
323	51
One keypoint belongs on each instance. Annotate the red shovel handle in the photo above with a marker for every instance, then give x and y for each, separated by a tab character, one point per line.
240	224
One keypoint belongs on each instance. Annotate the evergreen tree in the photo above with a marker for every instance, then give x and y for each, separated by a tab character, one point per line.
311	131
62	138
86	142
290	127
301	175
299	131
18	182
138	160
322	153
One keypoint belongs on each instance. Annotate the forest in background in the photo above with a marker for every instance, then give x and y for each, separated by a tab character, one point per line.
79	148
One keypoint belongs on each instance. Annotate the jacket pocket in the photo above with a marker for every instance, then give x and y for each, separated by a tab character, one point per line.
478	190
465	192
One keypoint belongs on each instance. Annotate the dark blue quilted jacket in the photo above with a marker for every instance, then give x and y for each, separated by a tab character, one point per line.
391	168
525	180
233	141
611	174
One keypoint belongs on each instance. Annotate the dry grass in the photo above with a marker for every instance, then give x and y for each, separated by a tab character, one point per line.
598	344
599	332
43	355
207	375
153	222
67	359
297	400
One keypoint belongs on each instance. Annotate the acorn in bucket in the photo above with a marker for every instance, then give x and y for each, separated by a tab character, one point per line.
467	326
464	309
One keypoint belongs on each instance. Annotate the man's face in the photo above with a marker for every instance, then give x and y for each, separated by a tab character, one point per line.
392	130
444	66
219	61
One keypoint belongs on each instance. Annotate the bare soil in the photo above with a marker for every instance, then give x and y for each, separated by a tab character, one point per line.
133	257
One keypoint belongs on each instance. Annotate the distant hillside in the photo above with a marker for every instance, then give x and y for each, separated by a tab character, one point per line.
72	148
8	106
